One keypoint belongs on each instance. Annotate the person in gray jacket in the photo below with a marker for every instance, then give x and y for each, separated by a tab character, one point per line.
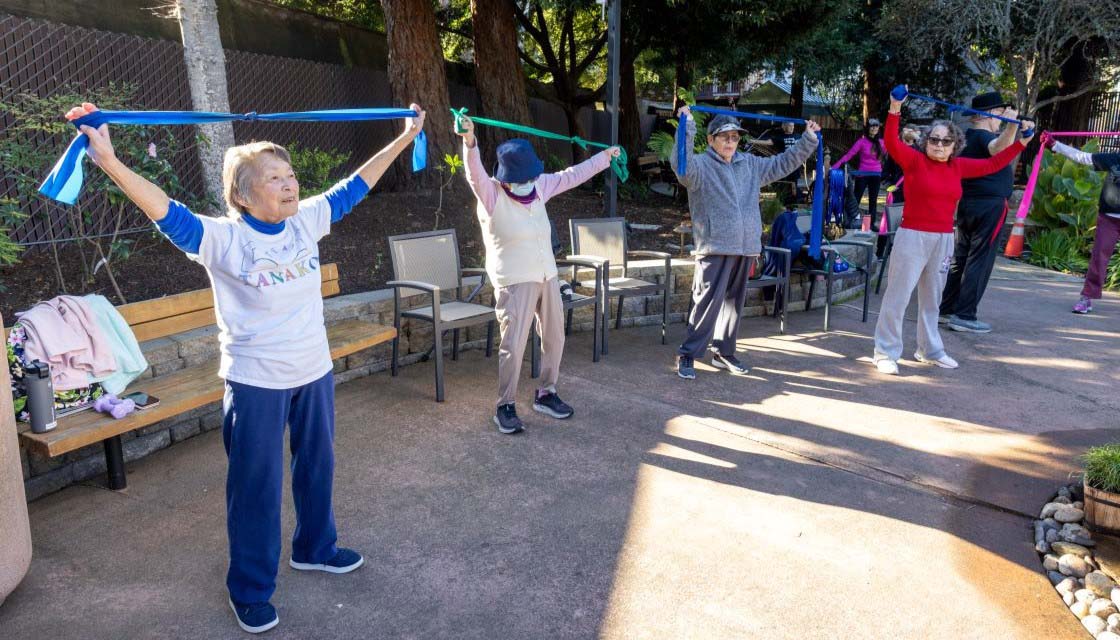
723	192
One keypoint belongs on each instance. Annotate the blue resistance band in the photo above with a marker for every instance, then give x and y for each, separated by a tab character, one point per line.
836	195
66	178
817	229
901	93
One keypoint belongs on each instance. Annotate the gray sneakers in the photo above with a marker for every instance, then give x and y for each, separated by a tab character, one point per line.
969	326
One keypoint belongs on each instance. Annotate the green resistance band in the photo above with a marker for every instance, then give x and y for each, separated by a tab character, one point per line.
619	165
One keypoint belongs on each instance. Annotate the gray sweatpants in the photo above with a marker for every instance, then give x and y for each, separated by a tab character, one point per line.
719	290
919	259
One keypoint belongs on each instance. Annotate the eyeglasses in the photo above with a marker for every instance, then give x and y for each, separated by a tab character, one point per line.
728	137
941	142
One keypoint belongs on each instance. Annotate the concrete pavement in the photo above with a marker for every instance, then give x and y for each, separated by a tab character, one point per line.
813	498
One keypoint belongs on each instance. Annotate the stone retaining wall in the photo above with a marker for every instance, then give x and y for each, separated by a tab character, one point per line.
45	475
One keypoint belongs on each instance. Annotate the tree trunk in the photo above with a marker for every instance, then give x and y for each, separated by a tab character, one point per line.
571	114
206	72
873	90
417	74
498	75
682	78
629	117
1073	114
797	93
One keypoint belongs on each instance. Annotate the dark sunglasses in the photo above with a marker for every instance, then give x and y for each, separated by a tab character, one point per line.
941	142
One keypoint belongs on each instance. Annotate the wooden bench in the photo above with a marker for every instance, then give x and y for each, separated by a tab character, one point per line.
185	389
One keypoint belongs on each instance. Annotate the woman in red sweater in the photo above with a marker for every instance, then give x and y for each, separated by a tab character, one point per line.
923	245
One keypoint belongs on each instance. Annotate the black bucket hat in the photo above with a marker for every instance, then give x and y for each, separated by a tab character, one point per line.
988	101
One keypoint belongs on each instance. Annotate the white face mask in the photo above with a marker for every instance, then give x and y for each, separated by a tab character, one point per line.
522	189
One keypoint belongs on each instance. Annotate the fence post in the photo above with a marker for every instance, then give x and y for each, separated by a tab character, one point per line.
206	71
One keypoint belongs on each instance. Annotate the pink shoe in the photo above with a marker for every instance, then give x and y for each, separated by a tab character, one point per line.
1083	306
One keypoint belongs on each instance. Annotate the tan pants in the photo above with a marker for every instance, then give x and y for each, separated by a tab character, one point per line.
516	307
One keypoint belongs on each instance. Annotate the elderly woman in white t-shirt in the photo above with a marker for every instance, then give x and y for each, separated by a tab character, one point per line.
263	263
520	264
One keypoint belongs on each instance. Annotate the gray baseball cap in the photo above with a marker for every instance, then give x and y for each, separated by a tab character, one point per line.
721	123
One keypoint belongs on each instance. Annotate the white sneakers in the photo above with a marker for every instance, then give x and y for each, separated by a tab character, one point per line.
945	362
889	367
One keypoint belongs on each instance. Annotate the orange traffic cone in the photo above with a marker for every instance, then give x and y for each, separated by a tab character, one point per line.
1015	242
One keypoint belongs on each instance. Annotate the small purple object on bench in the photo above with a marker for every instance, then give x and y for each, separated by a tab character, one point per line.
114	406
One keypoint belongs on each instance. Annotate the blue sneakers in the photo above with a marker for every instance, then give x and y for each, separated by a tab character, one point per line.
344	561
255	618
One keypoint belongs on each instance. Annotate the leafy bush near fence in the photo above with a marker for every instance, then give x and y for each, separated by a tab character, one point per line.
316	169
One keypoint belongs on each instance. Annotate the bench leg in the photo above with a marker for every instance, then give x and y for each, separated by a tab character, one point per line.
114	463
454	344
618	315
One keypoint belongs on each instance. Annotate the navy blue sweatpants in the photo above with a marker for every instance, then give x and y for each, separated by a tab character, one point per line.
253	432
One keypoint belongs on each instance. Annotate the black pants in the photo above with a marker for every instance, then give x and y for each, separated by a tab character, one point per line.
719	290
871	185
979	221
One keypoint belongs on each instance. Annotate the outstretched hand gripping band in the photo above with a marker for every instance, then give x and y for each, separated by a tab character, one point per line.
818	183
66	178
619	165
1032	181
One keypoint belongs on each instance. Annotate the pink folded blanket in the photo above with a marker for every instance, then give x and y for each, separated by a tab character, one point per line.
64	333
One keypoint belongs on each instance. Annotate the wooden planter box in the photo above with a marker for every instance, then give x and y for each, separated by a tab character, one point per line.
1102	511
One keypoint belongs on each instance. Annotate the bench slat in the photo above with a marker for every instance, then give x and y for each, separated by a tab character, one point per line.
182	391
175	324
167	306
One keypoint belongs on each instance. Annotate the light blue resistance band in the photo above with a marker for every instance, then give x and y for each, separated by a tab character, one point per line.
818	183
66	178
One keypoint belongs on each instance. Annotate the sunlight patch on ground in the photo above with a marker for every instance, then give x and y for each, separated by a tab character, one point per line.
1088	332
1046	363
849	423
787	344
670	451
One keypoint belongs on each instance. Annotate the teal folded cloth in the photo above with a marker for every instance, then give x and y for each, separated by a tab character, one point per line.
130	361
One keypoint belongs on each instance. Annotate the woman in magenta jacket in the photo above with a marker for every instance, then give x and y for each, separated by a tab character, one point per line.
871	154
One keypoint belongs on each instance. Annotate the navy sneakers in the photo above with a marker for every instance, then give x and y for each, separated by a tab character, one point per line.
344	561
255	618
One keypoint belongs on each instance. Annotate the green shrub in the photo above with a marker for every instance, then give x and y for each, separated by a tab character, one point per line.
771	208
1102	468
316	169
1056	249
1067	196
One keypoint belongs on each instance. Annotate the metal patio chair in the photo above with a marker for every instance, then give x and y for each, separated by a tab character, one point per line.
428	263
578	300
829	253
603	241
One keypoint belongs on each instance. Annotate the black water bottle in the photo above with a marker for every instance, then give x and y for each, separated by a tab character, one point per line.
40	396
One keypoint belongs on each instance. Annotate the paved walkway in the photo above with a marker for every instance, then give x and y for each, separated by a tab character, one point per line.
811	499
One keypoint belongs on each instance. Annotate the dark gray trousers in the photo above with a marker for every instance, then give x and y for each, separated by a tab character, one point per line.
719	290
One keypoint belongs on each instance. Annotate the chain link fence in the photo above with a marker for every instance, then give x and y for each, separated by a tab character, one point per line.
44	60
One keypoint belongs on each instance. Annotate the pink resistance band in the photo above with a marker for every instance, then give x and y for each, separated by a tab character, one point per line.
1028	192
884	224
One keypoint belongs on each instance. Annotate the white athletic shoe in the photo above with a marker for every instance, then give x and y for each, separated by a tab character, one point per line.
887	366
945	362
